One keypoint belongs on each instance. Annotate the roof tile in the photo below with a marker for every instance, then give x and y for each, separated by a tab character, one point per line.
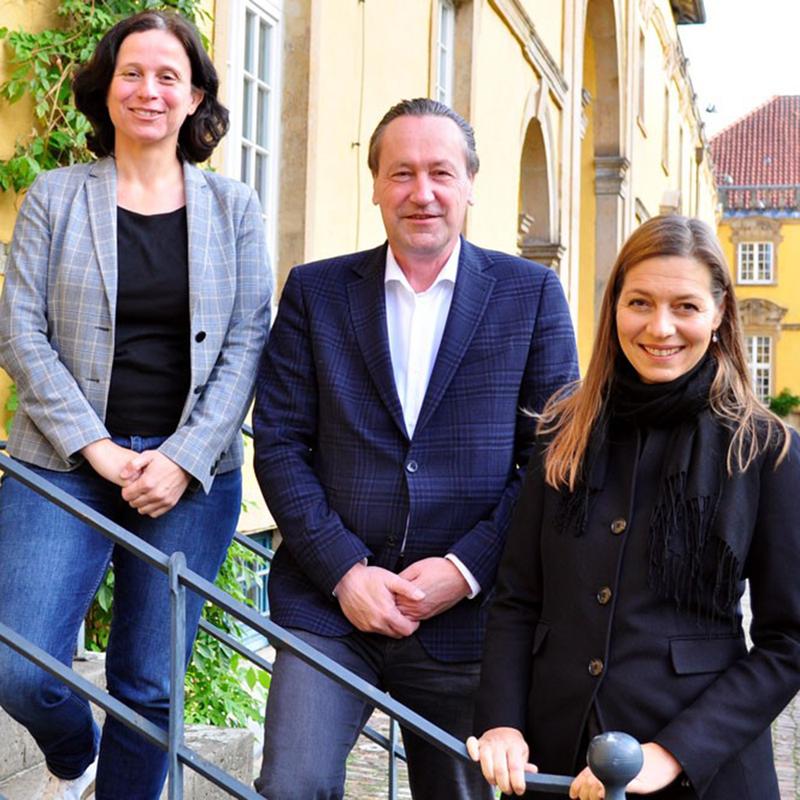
762	147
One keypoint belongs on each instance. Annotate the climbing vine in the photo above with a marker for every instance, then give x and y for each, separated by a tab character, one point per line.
41	66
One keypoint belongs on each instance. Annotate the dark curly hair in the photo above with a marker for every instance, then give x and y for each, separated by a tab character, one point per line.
200	133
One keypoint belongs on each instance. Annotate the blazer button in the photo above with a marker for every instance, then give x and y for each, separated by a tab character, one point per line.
595	667
618	525
198	389
685	782
412	466
199	336
603	595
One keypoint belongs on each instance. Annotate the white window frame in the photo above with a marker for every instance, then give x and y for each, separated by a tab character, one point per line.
759	349
642	79
755	262
665	144
445	52
269	11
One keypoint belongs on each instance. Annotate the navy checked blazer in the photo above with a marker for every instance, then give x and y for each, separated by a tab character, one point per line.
58	311
335	464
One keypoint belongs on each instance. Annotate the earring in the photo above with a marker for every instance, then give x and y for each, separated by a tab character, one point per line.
714	336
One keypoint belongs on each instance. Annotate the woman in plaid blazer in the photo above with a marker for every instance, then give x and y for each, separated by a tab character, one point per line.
136	302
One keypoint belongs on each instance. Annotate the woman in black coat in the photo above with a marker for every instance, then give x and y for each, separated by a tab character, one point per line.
659	486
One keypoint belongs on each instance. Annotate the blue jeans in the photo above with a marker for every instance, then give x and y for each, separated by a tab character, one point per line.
312	723
50	567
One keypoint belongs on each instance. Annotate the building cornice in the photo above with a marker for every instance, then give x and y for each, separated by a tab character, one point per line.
521	26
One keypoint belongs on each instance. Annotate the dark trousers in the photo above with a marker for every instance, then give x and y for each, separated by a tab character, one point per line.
312	723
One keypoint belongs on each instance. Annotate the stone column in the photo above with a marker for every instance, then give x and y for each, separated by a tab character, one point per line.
611	193
547	253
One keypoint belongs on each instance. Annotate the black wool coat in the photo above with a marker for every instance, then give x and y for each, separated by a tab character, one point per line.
576	626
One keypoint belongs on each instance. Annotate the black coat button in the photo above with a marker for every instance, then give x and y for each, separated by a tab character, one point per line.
618	525
595	667
603	595
412	466
199	336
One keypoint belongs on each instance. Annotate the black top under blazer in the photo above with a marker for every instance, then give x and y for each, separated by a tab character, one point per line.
576	626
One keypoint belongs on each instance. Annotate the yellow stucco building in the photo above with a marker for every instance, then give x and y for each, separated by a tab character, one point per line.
583	110
757	163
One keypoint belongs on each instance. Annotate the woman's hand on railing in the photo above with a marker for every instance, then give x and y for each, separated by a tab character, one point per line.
503	756
660	768
159	485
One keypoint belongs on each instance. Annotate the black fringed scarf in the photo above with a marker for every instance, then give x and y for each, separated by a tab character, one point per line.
691	562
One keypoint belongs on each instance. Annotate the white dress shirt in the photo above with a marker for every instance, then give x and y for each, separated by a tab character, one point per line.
415	323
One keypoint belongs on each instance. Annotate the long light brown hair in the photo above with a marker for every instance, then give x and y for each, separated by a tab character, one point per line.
570	414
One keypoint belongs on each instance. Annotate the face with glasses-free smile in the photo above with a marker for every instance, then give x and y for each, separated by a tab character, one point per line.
666	315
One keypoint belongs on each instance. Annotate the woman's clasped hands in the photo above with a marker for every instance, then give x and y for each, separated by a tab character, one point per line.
151	483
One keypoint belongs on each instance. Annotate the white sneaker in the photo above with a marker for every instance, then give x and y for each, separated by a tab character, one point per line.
77	789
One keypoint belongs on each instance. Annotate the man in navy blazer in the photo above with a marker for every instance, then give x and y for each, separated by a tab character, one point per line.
390	433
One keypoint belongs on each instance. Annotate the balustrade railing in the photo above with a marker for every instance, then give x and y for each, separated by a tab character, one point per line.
615	758
759	197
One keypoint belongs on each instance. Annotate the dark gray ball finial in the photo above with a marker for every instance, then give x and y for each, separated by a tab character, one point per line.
615	759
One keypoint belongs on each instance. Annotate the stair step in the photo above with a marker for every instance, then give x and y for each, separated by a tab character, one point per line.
229	748
22	765
18	751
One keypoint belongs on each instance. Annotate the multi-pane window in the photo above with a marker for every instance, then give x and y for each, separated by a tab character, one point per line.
642	77
759	361
755	262
445	47
256	589
257	91
665	133
255	97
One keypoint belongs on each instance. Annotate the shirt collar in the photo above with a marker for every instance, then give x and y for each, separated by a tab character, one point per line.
447	273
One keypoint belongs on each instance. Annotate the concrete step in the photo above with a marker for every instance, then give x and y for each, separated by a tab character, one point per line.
230	749
18	751
22	767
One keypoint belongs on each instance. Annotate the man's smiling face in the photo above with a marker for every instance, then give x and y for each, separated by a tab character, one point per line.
422	186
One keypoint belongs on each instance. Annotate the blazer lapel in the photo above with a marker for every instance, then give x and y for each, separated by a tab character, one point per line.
470	298
199	222
367	300
101	198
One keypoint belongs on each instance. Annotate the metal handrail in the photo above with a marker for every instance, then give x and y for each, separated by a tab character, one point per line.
368	731
182	578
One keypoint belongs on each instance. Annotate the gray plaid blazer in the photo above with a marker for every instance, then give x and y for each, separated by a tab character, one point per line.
58	310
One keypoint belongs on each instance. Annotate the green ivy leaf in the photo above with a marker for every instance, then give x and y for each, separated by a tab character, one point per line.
41	64
251	678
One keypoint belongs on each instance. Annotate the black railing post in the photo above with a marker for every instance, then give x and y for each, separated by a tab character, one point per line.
177	595
392	758
615	759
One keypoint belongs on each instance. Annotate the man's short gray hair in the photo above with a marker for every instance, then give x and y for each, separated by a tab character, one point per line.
423	107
